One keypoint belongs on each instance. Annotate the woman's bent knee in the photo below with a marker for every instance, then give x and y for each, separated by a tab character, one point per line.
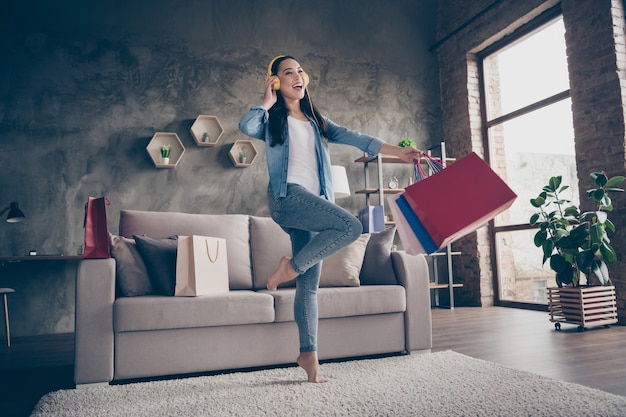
355	228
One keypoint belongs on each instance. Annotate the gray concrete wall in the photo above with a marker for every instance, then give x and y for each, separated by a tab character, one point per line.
84	86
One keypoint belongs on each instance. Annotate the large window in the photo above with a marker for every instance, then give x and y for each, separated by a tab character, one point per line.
530	138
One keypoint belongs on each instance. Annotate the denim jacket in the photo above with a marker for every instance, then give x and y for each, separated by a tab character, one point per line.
255	124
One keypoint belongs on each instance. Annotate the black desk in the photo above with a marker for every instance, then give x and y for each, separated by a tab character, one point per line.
32	258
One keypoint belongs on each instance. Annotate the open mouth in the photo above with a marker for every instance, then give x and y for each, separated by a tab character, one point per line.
298	86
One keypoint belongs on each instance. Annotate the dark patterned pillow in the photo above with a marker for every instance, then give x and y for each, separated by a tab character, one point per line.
131	272
159	255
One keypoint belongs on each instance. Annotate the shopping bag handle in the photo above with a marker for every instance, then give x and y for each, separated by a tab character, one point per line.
208	253
435	165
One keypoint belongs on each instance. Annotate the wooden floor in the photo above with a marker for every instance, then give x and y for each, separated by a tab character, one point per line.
520	339
527	340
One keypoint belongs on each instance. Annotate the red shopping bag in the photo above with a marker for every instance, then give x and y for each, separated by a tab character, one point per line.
96	231
459	199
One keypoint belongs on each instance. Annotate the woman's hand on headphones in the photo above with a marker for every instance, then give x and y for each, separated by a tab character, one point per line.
270	94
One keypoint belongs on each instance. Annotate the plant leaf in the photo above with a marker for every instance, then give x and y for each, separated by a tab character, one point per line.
537	202
534	218
584	259
601	271
599	178
608	224
608	253
598	194
563	269
555	182
548	248
596	231
613	182
540	237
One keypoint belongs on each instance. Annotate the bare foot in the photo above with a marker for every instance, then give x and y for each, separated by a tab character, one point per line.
309	362
284	273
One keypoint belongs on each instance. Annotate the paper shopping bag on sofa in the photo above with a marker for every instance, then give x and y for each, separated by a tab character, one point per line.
459	199
410	242
201	266
96	231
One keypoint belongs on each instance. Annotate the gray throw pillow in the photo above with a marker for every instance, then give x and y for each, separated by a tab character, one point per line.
132	274
159	255
377	267
268	243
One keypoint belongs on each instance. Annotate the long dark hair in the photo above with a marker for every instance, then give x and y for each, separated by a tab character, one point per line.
278	112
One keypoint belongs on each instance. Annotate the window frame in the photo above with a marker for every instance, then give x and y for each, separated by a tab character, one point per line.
518	35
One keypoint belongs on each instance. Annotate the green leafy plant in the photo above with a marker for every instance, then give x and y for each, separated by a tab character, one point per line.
165	151
406	142
576	242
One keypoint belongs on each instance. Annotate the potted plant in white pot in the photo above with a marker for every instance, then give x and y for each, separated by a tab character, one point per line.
165	154
577	243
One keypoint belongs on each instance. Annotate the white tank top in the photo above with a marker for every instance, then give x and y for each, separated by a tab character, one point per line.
303	169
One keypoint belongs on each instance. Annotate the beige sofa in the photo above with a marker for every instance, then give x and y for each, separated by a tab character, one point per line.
121	337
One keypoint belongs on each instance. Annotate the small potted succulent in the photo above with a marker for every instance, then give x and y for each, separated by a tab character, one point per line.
165	154
577	243
243	155
407	142
205	137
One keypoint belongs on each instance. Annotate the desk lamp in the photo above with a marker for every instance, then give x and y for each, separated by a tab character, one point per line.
15	214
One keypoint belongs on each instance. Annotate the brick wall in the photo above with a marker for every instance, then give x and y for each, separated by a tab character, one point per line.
597	64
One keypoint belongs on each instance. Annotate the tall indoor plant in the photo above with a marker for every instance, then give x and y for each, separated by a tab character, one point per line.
576	243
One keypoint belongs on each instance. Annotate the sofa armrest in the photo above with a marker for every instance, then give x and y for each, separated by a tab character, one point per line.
412	273
93	329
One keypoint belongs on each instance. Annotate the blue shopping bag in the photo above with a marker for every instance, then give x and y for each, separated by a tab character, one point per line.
416	226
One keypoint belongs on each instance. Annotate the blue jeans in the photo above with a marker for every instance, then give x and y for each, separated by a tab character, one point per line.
317	228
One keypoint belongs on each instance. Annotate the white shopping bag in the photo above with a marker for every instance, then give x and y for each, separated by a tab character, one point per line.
410	243
201	266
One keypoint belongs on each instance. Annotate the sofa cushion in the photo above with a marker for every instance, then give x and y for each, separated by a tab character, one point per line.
344	301
159	312
131	273
268	243
342	268
232	227
377	267
159	255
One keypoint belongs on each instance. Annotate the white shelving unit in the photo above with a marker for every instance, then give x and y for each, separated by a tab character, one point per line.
368	190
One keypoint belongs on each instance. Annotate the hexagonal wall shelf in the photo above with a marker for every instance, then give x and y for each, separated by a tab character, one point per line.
207	130
176	147
240	149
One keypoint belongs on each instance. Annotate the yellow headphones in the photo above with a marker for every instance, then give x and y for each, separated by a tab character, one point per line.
276	86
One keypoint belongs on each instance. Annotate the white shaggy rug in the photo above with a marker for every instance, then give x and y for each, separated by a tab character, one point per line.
428	384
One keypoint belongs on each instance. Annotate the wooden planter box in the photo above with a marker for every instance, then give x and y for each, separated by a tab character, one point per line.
583	306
